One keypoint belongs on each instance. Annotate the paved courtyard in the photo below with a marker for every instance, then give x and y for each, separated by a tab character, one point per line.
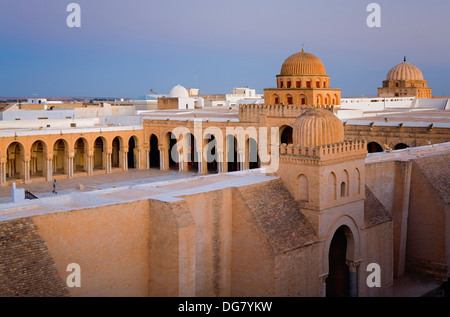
96	182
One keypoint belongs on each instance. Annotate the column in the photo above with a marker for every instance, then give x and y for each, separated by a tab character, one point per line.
353	278
163	163
137	155
2	170
147	159
108	162
70	167
323	284
26	169
49	167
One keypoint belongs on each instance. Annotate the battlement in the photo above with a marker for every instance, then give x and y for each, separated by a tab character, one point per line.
252	112
337	151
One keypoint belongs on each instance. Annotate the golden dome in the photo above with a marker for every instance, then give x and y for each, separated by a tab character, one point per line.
302	64
316	127
405	71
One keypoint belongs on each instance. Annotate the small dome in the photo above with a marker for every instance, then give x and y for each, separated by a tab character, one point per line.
179	92
316	127
405	71
302	64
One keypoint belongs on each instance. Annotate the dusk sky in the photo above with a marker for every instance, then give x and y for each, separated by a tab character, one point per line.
124	48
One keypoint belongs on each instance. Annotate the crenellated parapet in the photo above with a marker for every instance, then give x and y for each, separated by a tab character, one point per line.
324	154
253	112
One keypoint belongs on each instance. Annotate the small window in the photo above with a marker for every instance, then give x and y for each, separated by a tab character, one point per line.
288	84
308	84
298	84
343	187
303	101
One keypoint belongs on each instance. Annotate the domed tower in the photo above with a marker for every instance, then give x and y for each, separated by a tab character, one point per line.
303	81
321	169
405	80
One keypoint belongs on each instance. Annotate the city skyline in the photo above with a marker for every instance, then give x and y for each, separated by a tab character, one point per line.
124	49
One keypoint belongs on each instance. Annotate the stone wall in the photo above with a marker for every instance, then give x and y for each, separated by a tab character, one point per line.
27	268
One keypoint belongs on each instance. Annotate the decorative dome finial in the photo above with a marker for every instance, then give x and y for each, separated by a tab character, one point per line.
404	59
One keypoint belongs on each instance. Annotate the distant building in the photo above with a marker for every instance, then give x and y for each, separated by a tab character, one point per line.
405	80
239	96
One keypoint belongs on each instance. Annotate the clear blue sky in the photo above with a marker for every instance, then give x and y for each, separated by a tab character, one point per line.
126	47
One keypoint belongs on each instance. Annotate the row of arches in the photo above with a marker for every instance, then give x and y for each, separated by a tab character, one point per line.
305	83
198	152
372	147
45	161
339	186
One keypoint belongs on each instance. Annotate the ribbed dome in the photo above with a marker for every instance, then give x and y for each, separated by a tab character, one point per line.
302	64
405	71
317	127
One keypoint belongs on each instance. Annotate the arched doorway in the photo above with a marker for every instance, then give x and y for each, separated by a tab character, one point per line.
192	155
80	155
170	143
60	157
401	146
211	154
337	283
115	155
131	152
342	280
232	157
14	161
252	154
286	135
38	159
154	152
99	159
374	147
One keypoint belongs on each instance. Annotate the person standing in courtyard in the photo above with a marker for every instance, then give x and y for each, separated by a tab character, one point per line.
54	186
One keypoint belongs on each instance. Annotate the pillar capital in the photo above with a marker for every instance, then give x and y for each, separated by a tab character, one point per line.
353	265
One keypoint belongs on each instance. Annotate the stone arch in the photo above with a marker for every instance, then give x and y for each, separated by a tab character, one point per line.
345	184
14	160
302	188
302	99
343	226
232	155
60	154
211	153
327	99
335	99
319	99
275	99
251	153
374	147
154	156
332	195
81	147
170	151
401	146
133	144
38	158
286	132
100	147
289	99
117	147
191	154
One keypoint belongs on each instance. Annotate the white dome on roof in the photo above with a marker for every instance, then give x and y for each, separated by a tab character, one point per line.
179	92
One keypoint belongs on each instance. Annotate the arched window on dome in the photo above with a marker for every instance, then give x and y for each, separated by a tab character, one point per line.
298	84
288	84
317	83
308	84
281	84
325	84
289	99
335	100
